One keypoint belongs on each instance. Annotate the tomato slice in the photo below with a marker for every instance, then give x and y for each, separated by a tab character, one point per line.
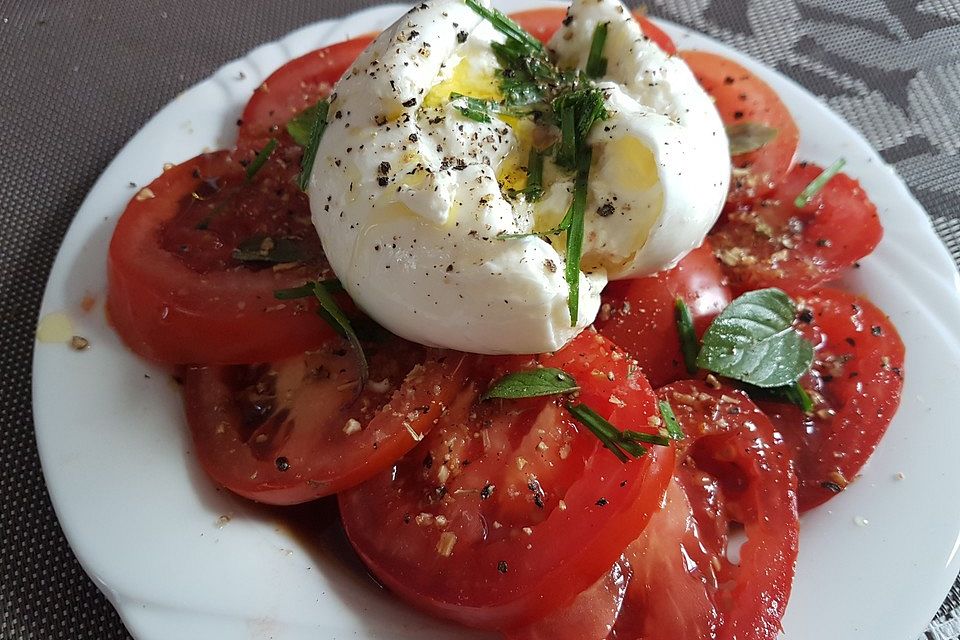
292	88
665	585
856	381
729	438
508	508
638	314
777	244
743	97
175	292
290	431
543	23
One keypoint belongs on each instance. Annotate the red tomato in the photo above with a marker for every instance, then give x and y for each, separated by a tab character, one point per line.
728	437
290	431
292	88
777	244
856	380
743	97
508	508
664	585
638	314
175	293
543	23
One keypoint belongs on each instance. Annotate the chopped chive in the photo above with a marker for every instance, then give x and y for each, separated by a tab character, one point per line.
506	26
621	443
818	184
575	234
596	63
310	151
670	421
306	290
534	189
473	108
689	345
261	158
567	150
332	313
797	395
300	125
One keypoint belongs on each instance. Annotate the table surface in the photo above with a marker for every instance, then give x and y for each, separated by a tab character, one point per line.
81	77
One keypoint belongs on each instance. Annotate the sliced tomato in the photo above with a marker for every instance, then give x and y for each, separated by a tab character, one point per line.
508	508
638	314
293	430
673	582
742	97
175	292
777	244
856	381
665	585
543	23
592	613
730	439
295	86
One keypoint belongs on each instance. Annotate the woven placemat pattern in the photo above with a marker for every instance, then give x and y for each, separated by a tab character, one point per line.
79	78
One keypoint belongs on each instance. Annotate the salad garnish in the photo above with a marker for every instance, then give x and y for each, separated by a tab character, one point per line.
546	381
670	422
753	340
818	183
261	158
330	311
596	62
621	443
749	136
689	345
317	127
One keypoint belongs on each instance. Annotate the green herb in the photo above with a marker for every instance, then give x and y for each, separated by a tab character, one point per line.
596	63
534	189
621	443
532	384
792	393
670	421
749	136
310	150
818	183
689	345
474	108
331	312
577	111
574	226
300	125
753	340
261	158
506	26
306	290
262	248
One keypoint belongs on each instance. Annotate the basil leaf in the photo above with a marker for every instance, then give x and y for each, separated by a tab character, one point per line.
300	125
532	384
267	249
749	136
753	340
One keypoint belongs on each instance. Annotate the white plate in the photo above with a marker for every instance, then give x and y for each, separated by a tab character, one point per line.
145	522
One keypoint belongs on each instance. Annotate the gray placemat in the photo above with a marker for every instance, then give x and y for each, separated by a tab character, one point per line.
78	78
